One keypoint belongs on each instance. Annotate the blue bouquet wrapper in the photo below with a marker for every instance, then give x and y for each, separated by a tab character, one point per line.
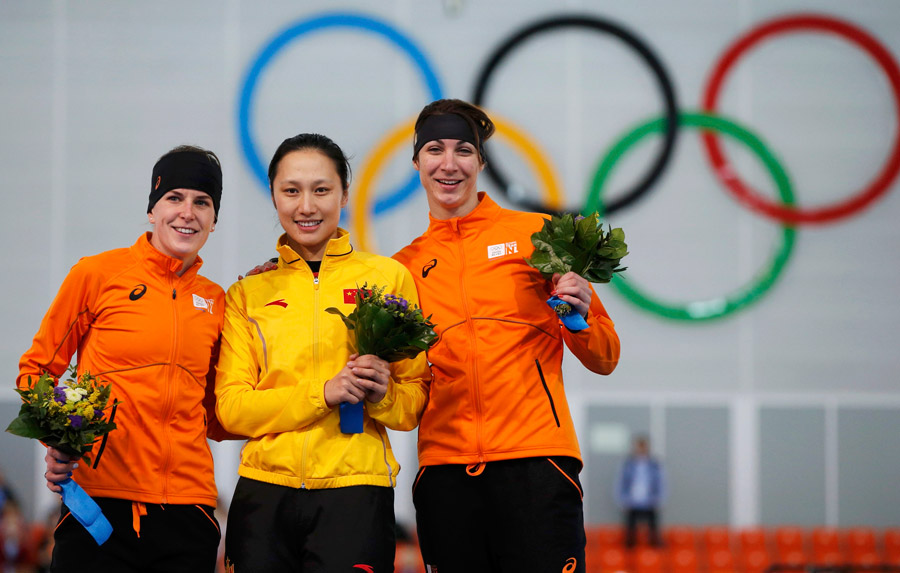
573	321
86	511
351	418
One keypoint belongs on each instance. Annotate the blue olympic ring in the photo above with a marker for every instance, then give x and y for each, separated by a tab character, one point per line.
294	31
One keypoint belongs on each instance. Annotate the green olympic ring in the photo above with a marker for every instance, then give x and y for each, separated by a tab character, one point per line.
744	296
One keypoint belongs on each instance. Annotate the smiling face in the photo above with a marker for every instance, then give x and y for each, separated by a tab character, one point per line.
448	170
182	221
308	197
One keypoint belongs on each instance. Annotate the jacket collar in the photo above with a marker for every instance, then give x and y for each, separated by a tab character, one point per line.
159	262
485	211
337	247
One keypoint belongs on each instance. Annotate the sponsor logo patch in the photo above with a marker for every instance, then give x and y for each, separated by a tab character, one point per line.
501	250
428	266
203	303
280	302
137	292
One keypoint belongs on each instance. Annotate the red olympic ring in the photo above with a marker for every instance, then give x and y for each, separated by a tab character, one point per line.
727	174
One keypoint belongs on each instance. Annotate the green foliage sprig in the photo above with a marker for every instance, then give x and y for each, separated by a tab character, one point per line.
578	244
387	326
70	417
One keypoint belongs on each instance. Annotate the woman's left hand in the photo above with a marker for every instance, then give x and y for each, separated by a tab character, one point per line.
373	374
573	289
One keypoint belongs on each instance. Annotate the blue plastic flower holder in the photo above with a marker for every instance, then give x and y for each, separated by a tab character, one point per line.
86	511
351	418
573	321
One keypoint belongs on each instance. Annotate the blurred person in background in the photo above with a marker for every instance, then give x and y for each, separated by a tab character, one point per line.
640	491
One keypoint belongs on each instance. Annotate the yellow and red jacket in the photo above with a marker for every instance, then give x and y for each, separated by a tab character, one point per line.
153	335
497	391
279	347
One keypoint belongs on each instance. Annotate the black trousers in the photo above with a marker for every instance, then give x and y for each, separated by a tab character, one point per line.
173	539
512	515
632	516
278	529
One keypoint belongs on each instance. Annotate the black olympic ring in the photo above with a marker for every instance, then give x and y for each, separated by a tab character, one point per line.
607	27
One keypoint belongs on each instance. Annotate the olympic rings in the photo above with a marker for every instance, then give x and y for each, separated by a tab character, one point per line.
321	22
402	135
669	125
728	175
721	306
630	39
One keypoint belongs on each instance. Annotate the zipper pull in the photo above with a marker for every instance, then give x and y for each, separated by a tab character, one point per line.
316	280
173	294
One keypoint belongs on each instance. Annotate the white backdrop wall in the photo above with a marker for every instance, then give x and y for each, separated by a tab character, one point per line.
92	92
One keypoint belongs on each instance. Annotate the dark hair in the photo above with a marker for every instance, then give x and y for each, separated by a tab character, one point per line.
192	149
312	141
481	124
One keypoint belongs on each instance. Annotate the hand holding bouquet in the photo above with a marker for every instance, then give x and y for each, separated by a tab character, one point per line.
577	244
385	326
71	418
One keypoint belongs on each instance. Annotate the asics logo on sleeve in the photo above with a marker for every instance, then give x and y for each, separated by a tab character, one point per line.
428	266
137	292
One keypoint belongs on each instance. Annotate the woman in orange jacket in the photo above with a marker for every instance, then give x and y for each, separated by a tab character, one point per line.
498	487
143	320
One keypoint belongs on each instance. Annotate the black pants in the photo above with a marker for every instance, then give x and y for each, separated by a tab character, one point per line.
514	515
275	529
173	538
632	516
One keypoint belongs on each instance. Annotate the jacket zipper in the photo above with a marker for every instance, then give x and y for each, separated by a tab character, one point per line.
473	386
169	395
315	345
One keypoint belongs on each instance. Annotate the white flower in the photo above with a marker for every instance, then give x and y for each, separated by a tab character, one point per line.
75	394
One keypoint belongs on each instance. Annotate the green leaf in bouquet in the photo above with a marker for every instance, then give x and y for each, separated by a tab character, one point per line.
26	426
348	322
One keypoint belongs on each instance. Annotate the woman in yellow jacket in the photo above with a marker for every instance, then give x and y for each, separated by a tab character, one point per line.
310	497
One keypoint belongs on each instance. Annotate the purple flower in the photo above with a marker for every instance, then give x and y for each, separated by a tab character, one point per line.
97	413
76	420
59	394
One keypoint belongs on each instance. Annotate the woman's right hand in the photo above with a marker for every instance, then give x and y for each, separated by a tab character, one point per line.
59	468
343	388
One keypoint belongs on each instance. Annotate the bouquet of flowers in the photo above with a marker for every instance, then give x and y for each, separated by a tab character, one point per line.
577	244
69	417
386	326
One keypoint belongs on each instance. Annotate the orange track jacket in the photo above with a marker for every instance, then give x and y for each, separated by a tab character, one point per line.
152	335
497	391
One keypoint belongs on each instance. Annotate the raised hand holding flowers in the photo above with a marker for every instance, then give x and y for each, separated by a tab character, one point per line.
386	326
578	245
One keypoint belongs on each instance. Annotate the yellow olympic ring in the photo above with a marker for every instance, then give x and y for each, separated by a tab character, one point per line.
373	164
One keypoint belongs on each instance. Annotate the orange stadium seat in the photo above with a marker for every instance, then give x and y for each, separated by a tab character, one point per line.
892	541
683	560
680	537
825	540
859	540
606	559
648	560
755	560
864	558
789	539
720	561
604	535
717	537
753	539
